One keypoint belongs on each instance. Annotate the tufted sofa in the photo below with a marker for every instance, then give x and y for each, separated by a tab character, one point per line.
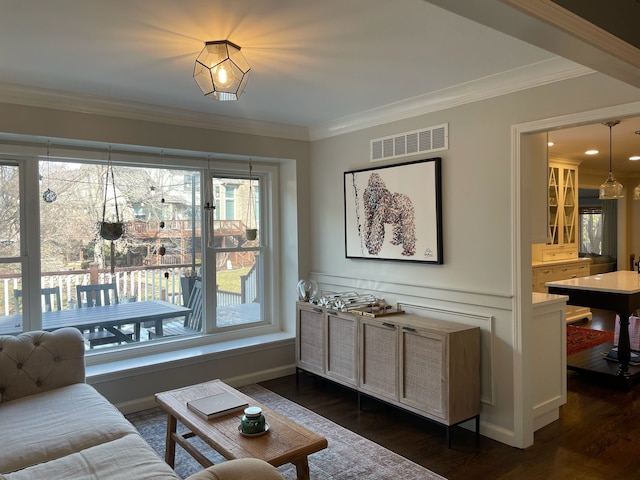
55	426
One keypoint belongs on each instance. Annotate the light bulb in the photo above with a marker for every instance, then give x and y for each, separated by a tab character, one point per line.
222	75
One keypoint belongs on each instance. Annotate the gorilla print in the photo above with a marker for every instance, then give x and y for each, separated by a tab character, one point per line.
393	212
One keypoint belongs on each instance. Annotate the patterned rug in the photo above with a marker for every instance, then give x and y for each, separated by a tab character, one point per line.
348	456
580	338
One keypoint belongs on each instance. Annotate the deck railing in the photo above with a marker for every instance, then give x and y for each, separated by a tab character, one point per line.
162	282
133	283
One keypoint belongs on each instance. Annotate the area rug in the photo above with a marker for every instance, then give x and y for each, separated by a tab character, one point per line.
348	456
580	338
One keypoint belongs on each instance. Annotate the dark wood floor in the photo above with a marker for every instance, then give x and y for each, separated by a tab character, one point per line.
597	436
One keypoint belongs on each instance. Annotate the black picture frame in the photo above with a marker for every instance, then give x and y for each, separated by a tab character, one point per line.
394	212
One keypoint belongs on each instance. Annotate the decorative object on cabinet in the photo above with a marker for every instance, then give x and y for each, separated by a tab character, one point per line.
307	290
426	366
407	198
611	189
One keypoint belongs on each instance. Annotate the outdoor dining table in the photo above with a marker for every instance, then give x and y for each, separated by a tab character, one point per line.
109	317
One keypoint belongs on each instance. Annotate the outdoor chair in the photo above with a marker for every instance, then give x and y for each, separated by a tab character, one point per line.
98	295
192	323
50	297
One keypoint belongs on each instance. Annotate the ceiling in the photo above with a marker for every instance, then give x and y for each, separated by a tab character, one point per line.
318	67
625	142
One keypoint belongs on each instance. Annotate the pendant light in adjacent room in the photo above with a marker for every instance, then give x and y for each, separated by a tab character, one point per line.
611	189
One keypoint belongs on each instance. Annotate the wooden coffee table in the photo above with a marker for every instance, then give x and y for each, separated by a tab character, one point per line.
285	442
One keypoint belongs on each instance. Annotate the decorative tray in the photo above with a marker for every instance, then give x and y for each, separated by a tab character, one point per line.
376	311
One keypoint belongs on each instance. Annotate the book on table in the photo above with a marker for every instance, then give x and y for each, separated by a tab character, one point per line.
217	405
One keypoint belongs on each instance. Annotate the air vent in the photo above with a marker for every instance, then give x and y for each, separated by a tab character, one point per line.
426	140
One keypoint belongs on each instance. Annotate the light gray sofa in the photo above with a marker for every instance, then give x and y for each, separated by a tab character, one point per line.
55	426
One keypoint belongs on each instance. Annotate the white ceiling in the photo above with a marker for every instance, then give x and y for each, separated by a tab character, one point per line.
317	66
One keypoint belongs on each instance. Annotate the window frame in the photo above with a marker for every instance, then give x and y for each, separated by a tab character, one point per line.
28	158
590	210
268	176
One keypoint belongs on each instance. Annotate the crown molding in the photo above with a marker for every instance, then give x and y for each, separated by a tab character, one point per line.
541	73
91	104
537	74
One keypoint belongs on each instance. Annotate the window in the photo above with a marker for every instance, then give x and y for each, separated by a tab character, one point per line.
12	262
240	262
229	202
591	221
160	262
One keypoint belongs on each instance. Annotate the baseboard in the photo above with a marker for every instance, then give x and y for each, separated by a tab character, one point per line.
145	403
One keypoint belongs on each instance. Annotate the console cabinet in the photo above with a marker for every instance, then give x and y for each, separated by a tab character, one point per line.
427	366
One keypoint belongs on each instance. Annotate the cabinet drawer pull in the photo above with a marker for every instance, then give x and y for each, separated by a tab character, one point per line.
331	312
409	329
388	325
317	310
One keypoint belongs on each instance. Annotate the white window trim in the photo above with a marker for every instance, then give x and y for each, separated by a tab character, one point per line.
26	156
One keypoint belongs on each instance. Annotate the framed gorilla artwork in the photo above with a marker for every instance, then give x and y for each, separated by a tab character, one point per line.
394	212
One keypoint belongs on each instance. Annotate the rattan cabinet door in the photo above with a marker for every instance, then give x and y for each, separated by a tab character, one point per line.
342	347
424	371
379	358
310	339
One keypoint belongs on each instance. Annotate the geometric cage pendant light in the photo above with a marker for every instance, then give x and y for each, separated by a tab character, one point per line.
611	189
221	71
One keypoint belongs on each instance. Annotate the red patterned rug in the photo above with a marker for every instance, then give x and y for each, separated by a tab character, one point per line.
580	338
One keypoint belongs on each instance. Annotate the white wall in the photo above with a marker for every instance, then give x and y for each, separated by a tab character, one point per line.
477	282
134	387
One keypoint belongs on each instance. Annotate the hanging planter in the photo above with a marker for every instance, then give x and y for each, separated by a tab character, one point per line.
111	230
250	231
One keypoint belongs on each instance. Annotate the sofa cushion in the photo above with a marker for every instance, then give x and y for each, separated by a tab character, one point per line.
239	469
53	424
34	362
129	457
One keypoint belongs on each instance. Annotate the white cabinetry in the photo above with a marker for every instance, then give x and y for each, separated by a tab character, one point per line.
563	203
550	358
427	366
558	260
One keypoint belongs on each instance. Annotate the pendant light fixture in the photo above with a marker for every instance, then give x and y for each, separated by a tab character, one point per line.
611	189
221	71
